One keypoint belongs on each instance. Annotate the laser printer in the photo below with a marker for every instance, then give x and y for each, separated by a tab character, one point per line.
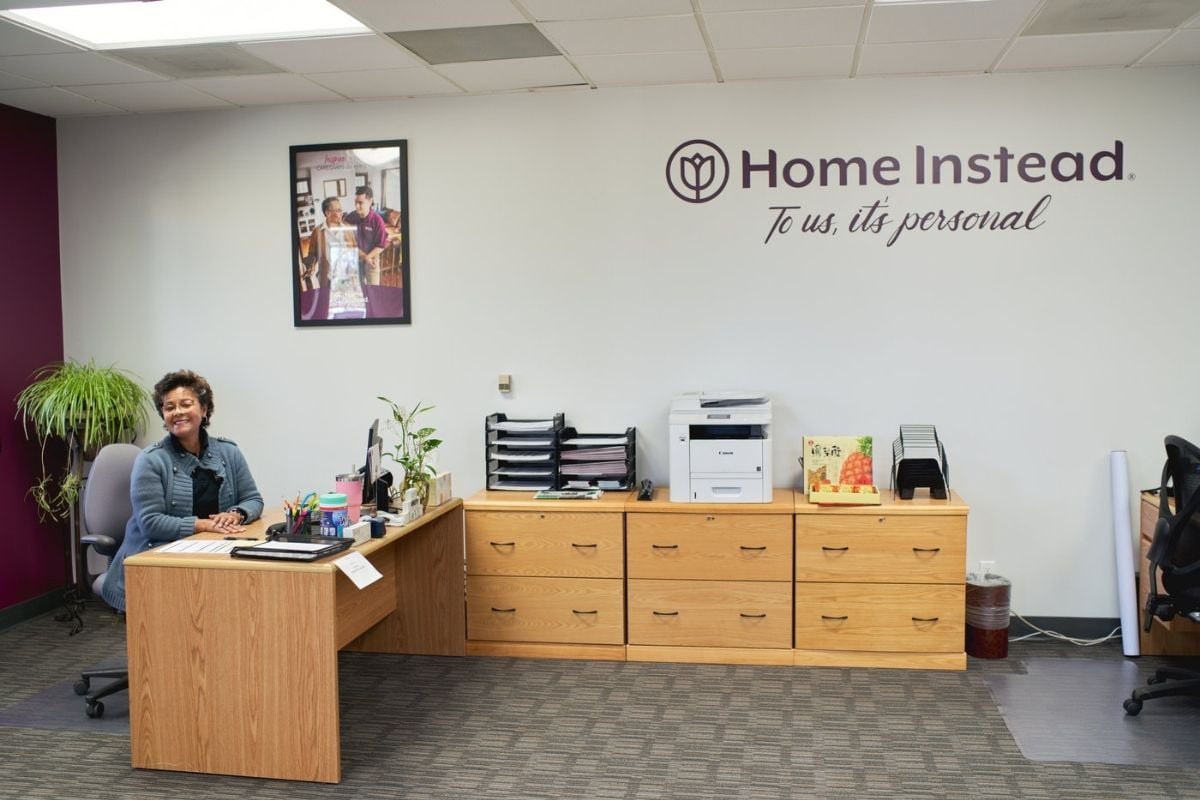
720	448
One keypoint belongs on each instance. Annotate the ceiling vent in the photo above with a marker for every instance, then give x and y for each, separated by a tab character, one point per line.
484	43
216	60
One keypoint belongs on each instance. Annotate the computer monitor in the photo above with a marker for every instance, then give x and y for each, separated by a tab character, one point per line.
372	463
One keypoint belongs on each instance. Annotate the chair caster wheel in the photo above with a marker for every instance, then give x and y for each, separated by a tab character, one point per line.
1132	707
1153	679
82	685
96	709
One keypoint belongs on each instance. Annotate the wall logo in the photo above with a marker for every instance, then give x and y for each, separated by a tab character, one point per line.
697	171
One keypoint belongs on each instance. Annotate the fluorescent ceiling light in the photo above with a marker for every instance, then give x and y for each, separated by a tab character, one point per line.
140	24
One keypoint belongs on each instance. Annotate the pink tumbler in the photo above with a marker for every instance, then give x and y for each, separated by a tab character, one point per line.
351	485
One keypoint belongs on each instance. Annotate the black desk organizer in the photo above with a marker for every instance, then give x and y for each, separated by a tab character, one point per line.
521	460
587	464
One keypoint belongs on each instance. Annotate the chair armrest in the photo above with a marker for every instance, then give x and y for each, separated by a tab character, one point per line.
104	545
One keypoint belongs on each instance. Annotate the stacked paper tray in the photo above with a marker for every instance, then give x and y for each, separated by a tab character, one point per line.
597	460
521	455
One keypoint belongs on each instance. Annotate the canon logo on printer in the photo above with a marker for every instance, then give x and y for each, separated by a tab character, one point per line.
698	170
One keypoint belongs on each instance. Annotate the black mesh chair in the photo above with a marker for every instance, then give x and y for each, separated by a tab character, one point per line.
106	509
1175	551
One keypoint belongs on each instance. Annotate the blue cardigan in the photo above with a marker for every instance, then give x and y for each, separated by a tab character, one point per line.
161	492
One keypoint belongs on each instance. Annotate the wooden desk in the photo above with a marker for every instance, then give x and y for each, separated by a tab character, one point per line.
1179	637
233	663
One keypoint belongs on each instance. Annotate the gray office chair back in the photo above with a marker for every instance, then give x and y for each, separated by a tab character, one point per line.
106	504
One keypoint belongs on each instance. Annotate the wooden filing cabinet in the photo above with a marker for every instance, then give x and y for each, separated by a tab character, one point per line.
881	586
710	582
545	578
1179	637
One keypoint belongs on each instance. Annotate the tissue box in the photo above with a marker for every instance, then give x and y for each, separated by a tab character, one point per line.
439	490
840	460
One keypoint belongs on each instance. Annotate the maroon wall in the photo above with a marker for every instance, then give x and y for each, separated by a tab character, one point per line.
34	557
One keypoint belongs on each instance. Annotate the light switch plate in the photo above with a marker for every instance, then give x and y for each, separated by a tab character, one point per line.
505	382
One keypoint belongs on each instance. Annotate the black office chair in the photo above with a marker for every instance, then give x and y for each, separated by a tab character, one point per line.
106	510
1176	551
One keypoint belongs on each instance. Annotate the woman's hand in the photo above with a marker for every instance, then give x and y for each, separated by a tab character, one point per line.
225	522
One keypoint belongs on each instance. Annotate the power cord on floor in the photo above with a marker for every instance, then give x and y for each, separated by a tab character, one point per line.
1060	636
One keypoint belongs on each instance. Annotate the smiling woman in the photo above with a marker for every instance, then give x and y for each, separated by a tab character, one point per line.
188	482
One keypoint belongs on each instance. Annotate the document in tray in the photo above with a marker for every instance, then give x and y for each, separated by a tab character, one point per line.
521	456
508	486
517	441
594	454
526	426
596	441
596	468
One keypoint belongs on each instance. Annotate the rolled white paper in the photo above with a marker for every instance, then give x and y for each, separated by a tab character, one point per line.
1123	542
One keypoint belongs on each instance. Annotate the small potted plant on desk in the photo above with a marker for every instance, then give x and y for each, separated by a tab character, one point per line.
414	447
85	407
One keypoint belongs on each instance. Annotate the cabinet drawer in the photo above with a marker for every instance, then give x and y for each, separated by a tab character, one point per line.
563	544
881	548
903	618
571	610
710	613
744	547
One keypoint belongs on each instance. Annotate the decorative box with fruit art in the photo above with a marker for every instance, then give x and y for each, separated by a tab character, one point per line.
839	470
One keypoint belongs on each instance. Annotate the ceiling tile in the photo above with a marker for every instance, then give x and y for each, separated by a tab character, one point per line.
54	102
258	90
17	41
1182	48
10	81
938	22
612	36
333	54
75	69
1083	50
481	43
521	73
1104	16
715	6
145	98
547	10
924	58
374	84
420	15
792	28
638	69
786	62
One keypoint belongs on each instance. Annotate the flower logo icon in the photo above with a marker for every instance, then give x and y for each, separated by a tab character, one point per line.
697	171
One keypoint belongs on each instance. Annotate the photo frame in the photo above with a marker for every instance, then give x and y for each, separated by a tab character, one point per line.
350	239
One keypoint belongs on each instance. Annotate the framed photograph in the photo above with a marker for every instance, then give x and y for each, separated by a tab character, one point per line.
350	235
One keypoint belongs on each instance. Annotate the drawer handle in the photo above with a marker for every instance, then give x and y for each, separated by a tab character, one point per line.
665	613
577	611
927	549
754	616
665	546
925	619
573	544
503	544
835	549
504	610
710	519
834	619
744	547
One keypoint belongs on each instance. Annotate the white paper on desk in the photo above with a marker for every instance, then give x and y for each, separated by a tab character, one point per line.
202	546
307	547
358	569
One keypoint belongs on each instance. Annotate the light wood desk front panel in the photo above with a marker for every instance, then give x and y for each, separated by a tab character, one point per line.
558	610
549	543
233	672
881	548
881	617
728	546
734	614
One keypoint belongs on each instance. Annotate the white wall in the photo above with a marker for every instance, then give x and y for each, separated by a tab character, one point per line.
545	243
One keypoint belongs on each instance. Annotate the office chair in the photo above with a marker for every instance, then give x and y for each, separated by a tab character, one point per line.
1176	551
106	510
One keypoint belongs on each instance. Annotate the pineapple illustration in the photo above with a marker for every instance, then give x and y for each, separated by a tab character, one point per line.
856	469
